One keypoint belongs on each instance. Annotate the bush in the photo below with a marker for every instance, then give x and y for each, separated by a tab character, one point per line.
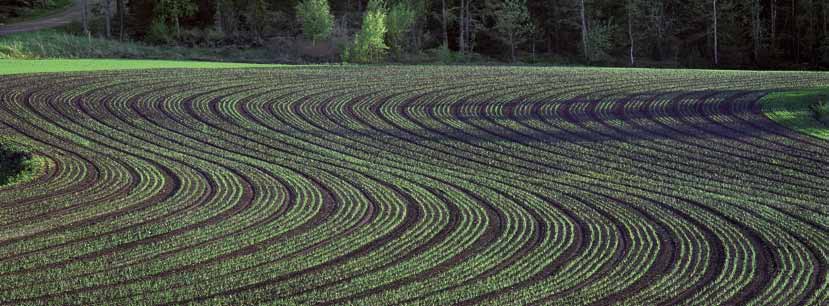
16	163
369	45
821	109
316	19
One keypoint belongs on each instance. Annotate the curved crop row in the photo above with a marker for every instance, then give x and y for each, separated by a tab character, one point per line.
412	185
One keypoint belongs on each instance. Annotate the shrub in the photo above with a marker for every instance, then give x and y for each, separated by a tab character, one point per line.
316	19
369	45
821	109
16	163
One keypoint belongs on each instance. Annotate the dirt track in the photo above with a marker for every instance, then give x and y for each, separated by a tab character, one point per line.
51	21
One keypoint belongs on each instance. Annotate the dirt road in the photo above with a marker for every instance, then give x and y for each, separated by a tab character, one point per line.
55	20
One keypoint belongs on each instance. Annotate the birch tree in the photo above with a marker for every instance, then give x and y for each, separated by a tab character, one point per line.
85	16
108	18
632	9
462	26
584	31
316	19
121	12
445	23
716	42
773	24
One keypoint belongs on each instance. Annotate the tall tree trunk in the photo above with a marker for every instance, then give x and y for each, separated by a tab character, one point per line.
584	31
630	33
716	43
121	14
773	25
512	46
813	29
658	16
796	34
445	26
825	19
108	18
85	17
217	18
467	26
461	26
755	29
553	38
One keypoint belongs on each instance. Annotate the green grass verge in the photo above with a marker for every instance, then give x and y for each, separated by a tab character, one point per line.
798	110
38	66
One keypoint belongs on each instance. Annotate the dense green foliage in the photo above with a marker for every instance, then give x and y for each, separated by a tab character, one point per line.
399	21
400	185
600	41
512	22
17	163
173	10
369	44
316	19
665	33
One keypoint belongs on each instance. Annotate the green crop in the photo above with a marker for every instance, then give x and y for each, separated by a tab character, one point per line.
394	185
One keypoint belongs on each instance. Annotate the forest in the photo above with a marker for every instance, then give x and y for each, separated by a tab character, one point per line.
767	34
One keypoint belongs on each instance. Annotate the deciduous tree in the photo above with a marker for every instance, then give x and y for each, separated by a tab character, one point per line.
512	23
316	19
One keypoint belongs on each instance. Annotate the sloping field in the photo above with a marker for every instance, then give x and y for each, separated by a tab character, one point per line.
412	185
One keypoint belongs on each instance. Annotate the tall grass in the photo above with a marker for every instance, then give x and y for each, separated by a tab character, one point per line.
53	44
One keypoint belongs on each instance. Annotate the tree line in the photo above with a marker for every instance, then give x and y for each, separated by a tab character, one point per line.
675	33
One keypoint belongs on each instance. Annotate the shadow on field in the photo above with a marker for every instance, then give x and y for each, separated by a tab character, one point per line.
654	116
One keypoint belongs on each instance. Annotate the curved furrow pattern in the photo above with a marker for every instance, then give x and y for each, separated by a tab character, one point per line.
412	185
